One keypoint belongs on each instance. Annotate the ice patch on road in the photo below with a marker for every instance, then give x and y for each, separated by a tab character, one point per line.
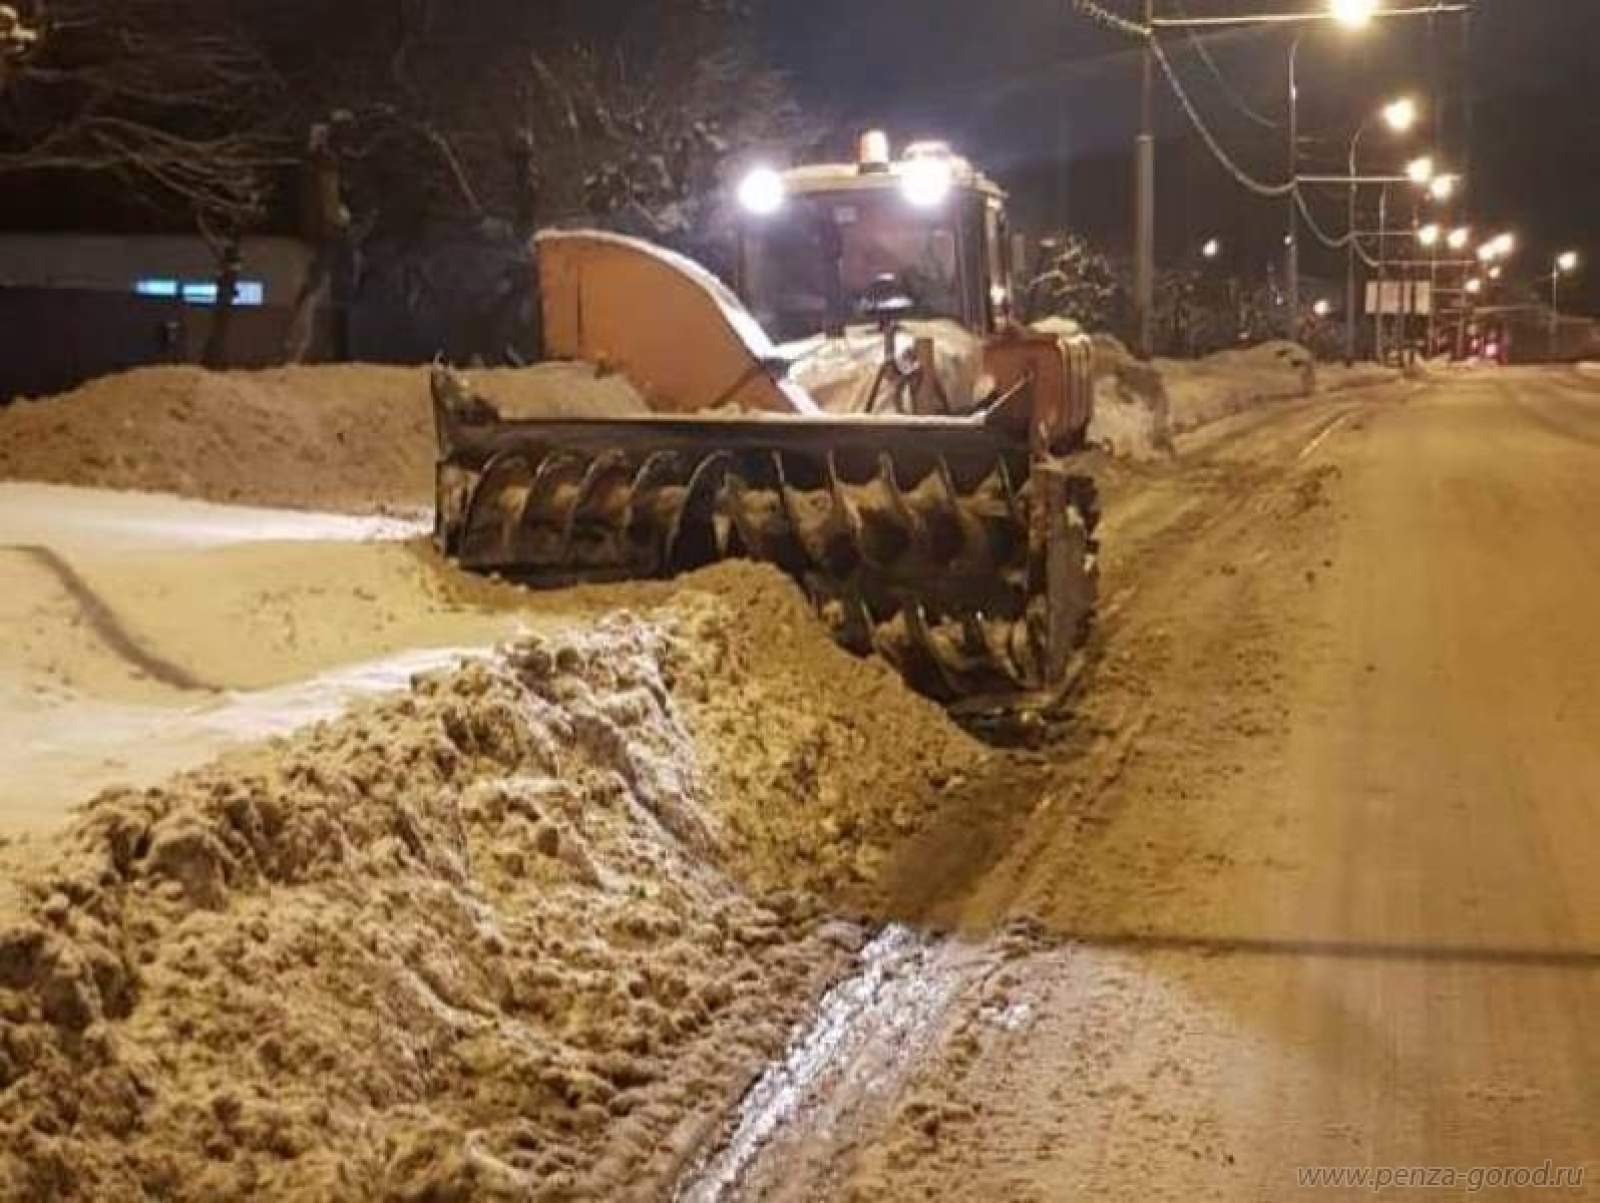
856	1047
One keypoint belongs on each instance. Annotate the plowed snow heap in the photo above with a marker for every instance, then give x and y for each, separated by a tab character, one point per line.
486	940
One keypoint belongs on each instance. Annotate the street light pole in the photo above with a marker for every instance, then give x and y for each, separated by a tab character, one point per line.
1294	195
1433	301
1565	262
1383	272
1144	272
1350	257
1400	116
1555	311
1350	265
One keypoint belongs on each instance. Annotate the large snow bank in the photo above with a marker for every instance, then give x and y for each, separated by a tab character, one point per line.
514	934
1200	391
1139	407
345	437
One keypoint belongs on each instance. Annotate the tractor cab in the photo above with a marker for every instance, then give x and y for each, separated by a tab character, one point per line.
827	246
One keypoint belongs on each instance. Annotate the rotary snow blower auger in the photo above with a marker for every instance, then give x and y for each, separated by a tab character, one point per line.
958	544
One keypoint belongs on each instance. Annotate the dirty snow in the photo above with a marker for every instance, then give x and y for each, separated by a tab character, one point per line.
517	933
1141	407
337	437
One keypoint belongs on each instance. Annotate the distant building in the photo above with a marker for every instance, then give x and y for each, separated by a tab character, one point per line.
1523	334
76	306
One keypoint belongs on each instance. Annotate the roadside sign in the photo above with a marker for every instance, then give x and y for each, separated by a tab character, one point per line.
1395	297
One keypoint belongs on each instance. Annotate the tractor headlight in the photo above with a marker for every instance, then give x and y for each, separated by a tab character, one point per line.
927	182
762	192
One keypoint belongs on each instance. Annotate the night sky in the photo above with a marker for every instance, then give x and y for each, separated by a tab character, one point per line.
1047	102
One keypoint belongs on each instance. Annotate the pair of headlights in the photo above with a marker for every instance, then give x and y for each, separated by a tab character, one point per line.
925	183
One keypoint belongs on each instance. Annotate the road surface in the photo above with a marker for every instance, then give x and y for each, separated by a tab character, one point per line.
1316	882
1310	884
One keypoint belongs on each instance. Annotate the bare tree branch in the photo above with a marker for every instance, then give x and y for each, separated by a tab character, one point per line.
158	94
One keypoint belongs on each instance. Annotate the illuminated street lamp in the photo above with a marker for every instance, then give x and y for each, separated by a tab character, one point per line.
1567	262
1322	308
1474	286
1420	171
1459	237
1501	247
1211	249
1401	115
1442	187
1353	14
1429	234
1496	272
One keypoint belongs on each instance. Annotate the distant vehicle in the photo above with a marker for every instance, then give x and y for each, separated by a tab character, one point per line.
1491	347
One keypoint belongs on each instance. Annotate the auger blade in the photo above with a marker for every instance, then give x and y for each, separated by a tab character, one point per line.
544	533
696	534
945	545
493	511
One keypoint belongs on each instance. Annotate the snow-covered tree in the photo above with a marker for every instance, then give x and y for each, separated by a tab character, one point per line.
178	105
1073	280
169	98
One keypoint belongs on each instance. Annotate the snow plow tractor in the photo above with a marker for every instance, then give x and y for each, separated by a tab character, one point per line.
906	452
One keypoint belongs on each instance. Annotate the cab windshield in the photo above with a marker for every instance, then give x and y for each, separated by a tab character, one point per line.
809	268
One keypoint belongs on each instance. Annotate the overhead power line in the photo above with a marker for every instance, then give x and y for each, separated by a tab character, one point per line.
1233	94
1244	178
1326	239
1116	22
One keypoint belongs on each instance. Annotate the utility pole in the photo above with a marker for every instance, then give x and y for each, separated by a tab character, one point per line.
1565	262
1144	270
1555	311
1293	271
1349	275
1433	301
1383	275
1350	280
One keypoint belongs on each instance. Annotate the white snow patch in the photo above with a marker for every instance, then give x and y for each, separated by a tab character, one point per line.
67	517
69	752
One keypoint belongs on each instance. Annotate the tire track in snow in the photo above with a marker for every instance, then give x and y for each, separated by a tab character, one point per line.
108	627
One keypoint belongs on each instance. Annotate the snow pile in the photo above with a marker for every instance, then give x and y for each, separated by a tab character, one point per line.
1132	413
485	940
822	762
1139	407
1201	391
347	436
